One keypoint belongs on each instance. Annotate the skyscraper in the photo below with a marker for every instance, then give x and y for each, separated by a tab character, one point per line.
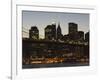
34	33
73	27
87	37
73	31
54	31
59	32
50	32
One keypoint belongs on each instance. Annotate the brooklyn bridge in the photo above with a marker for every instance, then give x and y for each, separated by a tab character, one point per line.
42	53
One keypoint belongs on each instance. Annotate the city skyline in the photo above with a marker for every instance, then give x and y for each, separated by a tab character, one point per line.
42	19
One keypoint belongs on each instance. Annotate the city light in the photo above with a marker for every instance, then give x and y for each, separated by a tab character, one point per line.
56	48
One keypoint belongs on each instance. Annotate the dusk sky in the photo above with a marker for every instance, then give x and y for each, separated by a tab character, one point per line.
42	19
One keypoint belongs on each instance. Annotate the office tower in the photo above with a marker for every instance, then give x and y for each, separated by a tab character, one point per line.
87	37
53	31
50	32
73	29
34	33
59	32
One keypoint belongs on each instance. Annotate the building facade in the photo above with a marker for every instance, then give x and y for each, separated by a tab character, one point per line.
59	32
73	29
34	33
87	37
50	32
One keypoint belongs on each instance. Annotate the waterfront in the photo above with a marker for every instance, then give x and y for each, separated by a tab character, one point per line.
54	65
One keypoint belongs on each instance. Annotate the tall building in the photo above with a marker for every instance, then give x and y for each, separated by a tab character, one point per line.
87	37
54	31
50	32
73	29
34	33
59	32
87	51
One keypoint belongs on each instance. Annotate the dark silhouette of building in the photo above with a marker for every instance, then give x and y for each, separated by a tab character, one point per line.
34	33
80	35
86	51
87	37
73	27
54	31
50	32
59	32
73	31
